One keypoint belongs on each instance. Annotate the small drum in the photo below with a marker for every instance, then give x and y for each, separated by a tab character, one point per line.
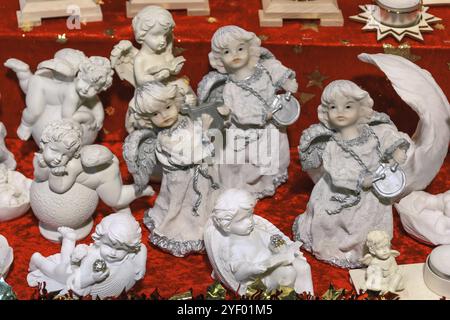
285	109
389	181
209	108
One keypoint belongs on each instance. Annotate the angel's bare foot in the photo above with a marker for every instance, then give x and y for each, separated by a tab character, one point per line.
16	65
67	233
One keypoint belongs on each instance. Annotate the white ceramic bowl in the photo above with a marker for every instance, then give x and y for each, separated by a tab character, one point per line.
23	183
436	271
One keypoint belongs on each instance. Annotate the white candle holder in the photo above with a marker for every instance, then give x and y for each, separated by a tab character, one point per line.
193	7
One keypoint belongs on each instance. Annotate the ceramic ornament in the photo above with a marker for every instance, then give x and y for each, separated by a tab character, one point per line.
154	61
110	265
346	152
193	7
275	11
436	271
426	217
6	156
243	247
69	179
14	194
398	18
65	87
382	273
257	113
189	182
32	12
435	2
6	257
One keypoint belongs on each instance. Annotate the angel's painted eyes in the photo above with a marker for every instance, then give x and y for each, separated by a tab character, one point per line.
154	114
169	106
226	52
348	107
332	107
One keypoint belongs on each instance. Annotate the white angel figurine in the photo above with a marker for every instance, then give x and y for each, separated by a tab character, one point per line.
253	78
243	247
65	87
382	273
351	143
107	267
426	216
153	29
6	156
10	194
6	257
69	178
181	146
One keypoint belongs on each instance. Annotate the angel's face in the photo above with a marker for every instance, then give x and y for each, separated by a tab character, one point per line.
236	55
110	252
85	88
56	154
164	114
157	38
344	112
242	223
381	250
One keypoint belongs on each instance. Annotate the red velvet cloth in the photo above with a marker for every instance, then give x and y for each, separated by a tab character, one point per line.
332	51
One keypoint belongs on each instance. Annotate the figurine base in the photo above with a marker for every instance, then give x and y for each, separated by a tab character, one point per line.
53	235
415	287
274	11
193	7
32	12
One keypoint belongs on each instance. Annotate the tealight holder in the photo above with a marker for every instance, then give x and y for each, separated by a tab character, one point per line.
398	13
436	271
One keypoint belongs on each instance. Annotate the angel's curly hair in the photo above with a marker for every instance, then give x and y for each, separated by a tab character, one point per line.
376	239
348	89
97	70
222	38
66	131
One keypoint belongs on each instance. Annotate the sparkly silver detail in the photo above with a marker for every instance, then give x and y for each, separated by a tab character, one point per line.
182	123
277	240
176	248
99	265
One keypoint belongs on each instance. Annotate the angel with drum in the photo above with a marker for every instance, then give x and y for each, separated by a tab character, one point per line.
257	151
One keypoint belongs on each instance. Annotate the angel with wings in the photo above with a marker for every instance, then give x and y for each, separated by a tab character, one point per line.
180	145
153	29
243	247
107	267
349	144
382	273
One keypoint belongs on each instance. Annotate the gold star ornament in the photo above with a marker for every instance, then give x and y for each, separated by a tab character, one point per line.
403	50
316	79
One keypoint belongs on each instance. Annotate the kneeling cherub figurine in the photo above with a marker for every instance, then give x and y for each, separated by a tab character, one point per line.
382	273
105	268
243	247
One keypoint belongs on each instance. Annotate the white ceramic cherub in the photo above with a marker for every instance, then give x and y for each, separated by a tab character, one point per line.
107	267
181	146
426	216
6	257
382	273
254	77
153	29
350	143
243	247
65	87
10	195
6	156
69	178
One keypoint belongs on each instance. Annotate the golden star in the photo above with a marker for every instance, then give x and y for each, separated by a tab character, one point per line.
211	20
61	38
304	97
316	79
403	50
27	27
263	37
298	49
439	26
448	64
310	26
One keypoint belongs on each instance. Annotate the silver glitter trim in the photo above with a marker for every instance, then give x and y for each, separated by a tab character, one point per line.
181	124
174	247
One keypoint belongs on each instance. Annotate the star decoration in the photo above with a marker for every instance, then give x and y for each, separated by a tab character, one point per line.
263	37
99	2
105	131
304	97
310	26
403	50
383	31
439	26
61	38
448	64
110	32
316	79
345	42
178	50
298	49
212	20
27	27
110	110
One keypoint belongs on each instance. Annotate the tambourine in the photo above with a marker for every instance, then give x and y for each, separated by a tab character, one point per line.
389	181
285	109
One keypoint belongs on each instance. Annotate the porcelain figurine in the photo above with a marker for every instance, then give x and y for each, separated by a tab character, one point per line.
243	247
254	78
110	265
351	142
153	29
6	156
69	178
180	145
426	217
6	257
14	194
65	87
382	272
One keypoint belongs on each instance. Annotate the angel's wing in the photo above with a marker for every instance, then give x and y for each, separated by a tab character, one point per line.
122	60
210	88
140	157
312	144
6	256
367	259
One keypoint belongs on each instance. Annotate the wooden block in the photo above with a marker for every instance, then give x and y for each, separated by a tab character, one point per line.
275	11
193	7
32	12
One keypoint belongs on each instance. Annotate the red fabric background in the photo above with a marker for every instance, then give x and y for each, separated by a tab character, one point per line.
332	51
